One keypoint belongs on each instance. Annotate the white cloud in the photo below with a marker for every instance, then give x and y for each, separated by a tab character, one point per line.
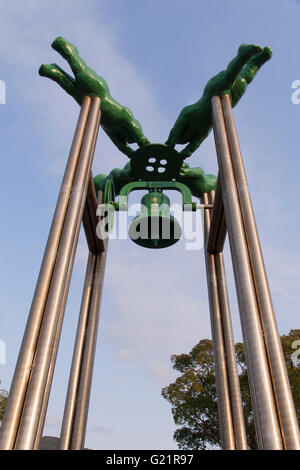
96	428
28	29
52	422
156	308
125	354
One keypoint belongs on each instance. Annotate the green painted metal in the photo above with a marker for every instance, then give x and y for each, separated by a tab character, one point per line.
119	176
194	178
109	192
156	186
156	162
155	227
117	120
123	182
194	121
108	200
155	166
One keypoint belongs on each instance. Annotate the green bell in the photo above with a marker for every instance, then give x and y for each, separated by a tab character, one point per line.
155	227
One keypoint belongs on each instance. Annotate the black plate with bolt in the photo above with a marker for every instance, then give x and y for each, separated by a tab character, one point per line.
156	162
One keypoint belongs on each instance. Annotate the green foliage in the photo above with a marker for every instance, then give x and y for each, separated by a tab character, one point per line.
3	400
194	399
293	372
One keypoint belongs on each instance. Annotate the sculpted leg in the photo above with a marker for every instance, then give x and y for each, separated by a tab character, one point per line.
247	74
193	145
224	80
177	130
70	53
120	143
142	141
245	52
55	73
254	64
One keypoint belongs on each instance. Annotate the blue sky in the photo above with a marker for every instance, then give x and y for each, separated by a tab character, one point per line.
156	56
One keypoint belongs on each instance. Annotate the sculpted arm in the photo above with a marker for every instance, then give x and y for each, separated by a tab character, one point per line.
117	120
194	122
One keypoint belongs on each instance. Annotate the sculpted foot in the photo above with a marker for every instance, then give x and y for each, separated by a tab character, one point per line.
64	48
143	141
46	70
248	50
186	153
262	57
249	71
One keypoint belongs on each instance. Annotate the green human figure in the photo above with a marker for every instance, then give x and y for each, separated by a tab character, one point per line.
196	180
194	121
119	176
117	121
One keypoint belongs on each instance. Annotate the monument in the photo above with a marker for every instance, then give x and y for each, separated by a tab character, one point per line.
154	167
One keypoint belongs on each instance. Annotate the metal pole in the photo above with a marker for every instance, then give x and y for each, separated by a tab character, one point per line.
36	389
21	378
249	367
218	231
61	314
230	356
222	386
87	363
67	424
54	354
71	399
281	383
265	415
89	219
52	367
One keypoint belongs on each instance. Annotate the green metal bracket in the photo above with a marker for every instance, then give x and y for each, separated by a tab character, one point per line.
187	202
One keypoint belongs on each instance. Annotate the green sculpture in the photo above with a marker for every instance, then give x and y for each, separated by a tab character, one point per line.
117	121
155	167
194	122
118	176
194	178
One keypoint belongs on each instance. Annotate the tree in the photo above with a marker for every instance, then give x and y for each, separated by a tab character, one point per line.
194	399
3	400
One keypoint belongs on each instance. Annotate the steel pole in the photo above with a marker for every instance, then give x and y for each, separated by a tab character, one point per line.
265	414
70	406
230	356
62	311
71	398
21	378
36	389
218	231
249	369
281	383
88	357
54	354
222	386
